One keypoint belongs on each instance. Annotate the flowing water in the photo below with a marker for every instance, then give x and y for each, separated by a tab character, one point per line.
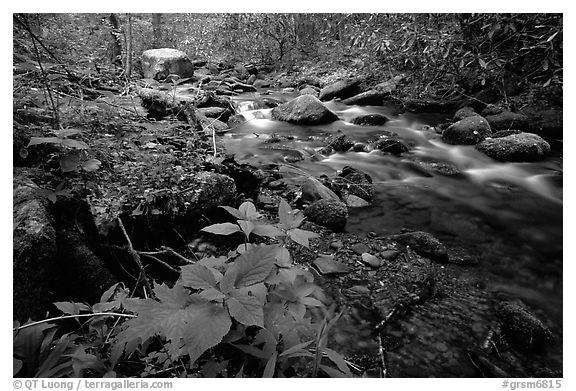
507	214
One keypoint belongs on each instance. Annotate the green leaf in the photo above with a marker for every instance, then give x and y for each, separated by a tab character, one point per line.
248	211
109	293
63	133
91	165
190	323
16	366
337	359
245	309
270	366
74	143
246	226
283	258
44	140
67	307
296	348
212	294
301	236
254	266
267	230
222	229
197	277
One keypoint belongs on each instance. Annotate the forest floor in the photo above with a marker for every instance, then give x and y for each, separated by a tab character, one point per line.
426	318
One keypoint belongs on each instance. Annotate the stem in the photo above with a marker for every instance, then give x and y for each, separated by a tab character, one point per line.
72	317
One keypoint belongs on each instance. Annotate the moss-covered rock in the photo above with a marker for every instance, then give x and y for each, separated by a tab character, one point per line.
370	120
508	120
340	89
521	147
424	244
328	213
522	328
467	131
391	145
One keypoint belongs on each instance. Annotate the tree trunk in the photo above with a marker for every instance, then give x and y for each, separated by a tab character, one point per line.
128	69
115	46
157	30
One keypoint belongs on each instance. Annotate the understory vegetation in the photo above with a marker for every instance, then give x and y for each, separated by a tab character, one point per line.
252	311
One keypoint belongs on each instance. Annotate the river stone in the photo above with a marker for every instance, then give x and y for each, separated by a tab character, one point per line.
371	260
464	112
159	63
340	89
338	142
211	190
309	91
219	113
370	120
424	244
467	131
313	190
360	248
508	120
367	98
522	328
361	147
328	213
326	265
355	182
354	201
522	147
236	120
391	145
504	133
305	110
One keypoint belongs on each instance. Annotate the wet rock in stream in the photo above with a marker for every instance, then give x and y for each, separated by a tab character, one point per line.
521	147
305	109
424	244
522	328
328	213
370	120
468	131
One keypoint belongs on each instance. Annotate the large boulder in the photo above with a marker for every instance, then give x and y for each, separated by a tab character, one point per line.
522	147
341	89
467	131
211	190
464	112
328	213
508	120
367	98
305	110
159	63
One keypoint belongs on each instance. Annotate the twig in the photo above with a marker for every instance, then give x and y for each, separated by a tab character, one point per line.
169	250
72	317
136	257
152	257
382	355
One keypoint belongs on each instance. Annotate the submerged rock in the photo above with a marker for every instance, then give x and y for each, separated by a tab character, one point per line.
338	143
370	119
391	145
468	131
354	182
341	89
508	120
424	244
522	328
328	213
159	63
522	147
305	109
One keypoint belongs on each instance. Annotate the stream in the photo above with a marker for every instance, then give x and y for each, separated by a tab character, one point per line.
509	215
